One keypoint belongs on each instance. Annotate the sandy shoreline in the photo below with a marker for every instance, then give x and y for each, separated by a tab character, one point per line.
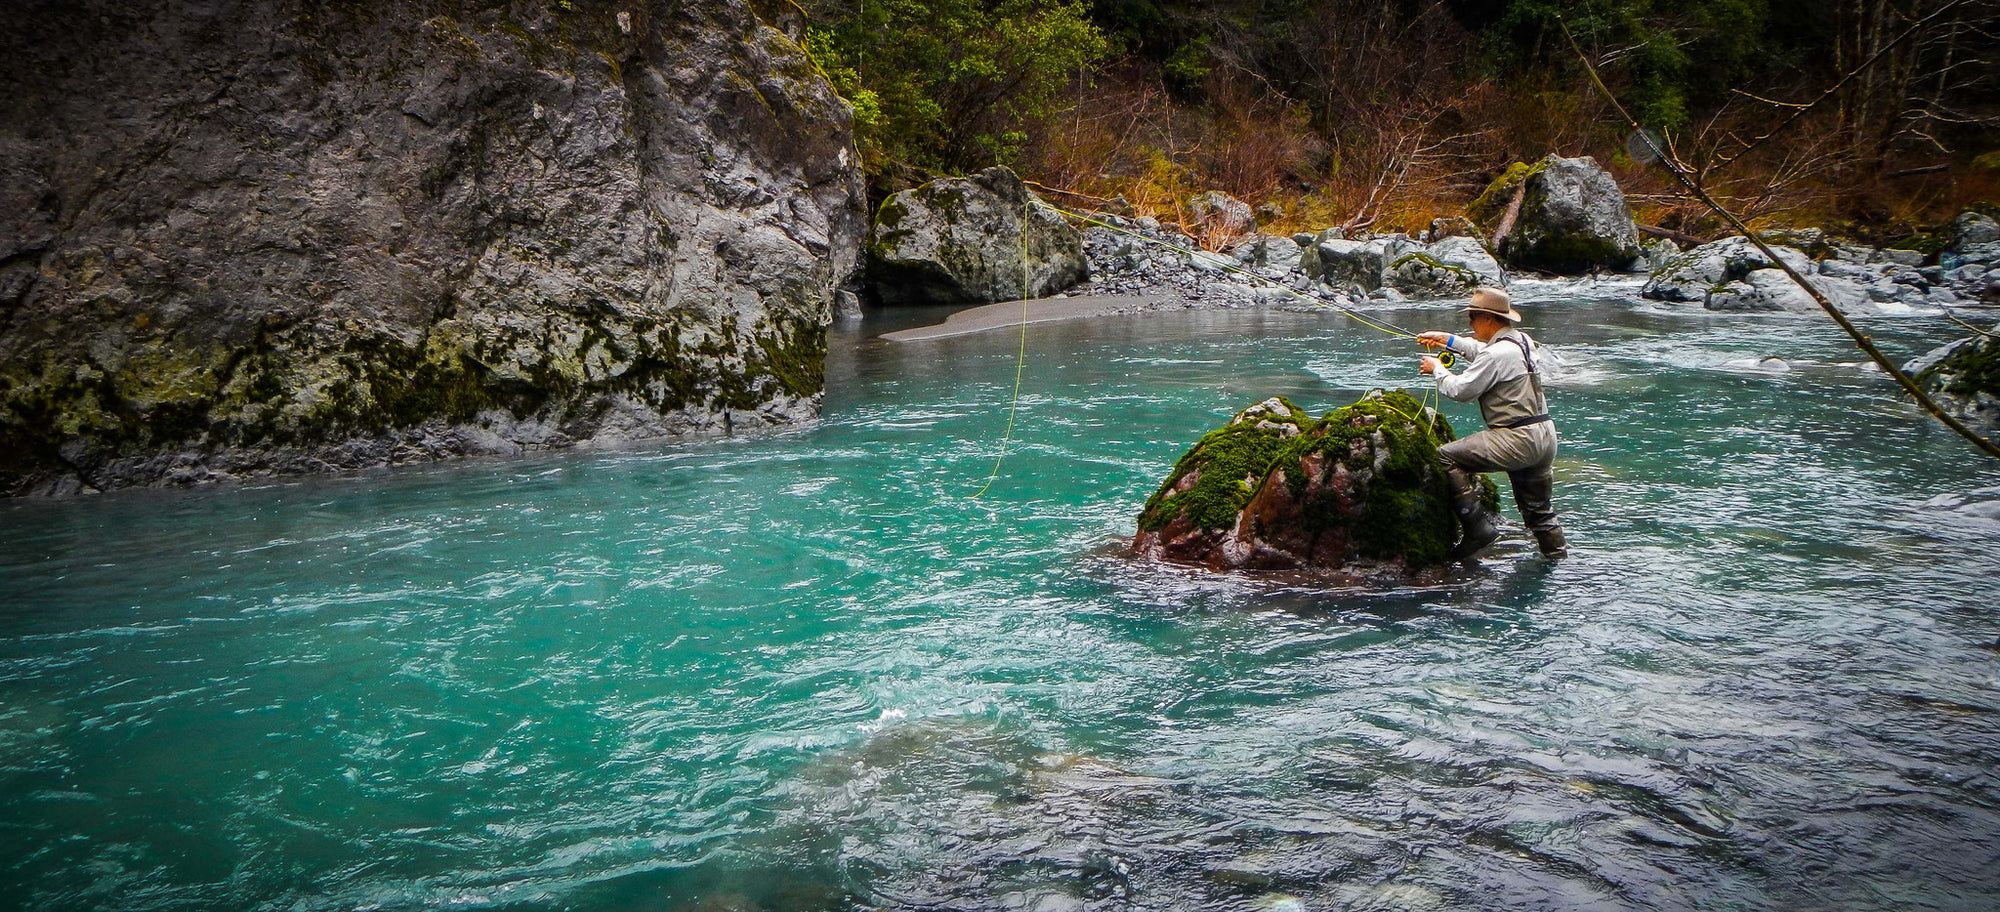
1014	313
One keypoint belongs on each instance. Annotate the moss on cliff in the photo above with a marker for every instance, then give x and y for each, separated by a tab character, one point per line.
282	389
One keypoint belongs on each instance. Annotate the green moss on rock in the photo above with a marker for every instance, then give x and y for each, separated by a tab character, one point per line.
1404	511
1275	489
1491	204
1212	482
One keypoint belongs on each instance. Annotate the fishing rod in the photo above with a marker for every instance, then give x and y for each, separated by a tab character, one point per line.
1694	190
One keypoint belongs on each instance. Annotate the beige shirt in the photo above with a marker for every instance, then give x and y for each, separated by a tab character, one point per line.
1499	378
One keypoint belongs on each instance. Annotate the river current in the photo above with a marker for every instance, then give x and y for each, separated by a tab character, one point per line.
808	671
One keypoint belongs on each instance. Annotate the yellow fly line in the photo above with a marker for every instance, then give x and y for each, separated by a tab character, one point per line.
1020	362
1021	358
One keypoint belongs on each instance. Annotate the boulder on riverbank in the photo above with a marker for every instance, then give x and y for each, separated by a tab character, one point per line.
1733	275
1559	215
975	240
1451	267
1221	215
1970	263
1357	493
1964	378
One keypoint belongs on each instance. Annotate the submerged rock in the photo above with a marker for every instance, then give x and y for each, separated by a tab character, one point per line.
975	240
283	236
1964	378
1358	492
1572	217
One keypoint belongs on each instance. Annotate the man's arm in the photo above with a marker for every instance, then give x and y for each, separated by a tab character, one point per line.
1466	346
1481	376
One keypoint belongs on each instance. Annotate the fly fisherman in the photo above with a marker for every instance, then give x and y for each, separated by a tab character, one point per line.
1519	438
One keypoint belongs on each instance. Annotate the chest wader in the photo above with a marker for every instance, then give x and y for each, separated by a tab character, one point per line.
1515	445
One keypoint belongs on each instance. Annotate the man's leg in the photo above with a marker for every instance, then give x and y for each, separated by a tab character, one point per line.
1533	490
1463	459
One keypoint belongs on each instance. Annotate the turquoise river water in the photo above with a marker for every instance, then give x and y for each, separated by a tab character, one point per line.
806	671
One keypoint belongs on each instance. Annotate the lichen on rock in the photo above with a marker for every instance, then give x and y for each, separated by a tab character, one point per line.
1357	492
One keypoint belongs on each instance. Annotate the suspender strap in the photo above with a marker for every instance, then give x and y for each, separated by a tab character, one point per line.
1526	358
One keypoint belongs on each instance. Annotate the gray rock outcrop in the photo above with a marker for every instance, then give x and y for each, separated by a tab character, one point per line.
1691	276
1964	378
1971	262
1344	264
1448	268
1217	213
974	240
1571	217
256	236
1733	275
1659	253
1269	255
1771	290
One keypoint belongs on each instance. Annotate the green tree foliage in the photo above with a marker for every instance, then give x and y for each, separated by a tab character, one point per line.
1672	54
948	85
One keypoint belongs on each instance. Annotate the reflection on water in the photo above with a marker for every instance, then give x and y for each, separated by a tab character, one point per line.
806	671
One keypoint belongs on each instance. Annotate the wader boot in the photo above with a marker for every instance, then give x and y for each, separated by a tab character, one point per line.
1474	520
1531	493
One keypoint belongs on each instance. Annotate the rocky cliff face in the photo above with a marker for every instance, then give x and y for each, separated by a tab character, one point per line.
253	236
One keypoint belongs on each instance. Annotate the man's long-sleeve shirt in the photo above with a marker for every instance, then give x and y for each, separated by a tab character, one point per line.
1499	377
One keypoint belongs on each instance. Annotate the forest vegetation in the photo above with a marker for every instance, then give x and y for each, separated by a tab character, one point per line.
1385	114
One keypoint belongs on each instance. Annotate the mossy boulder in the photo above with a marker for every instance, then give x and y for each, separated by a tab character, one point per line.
973	240
1357	492
1964	378
1572	219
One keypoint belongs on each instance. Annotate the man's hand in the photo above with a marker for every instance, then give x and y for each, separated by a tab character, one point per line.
1428	365
1432	339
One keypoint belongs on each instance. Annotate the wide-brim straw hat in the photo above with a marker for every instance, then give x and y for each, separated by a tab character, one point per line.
1494	302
